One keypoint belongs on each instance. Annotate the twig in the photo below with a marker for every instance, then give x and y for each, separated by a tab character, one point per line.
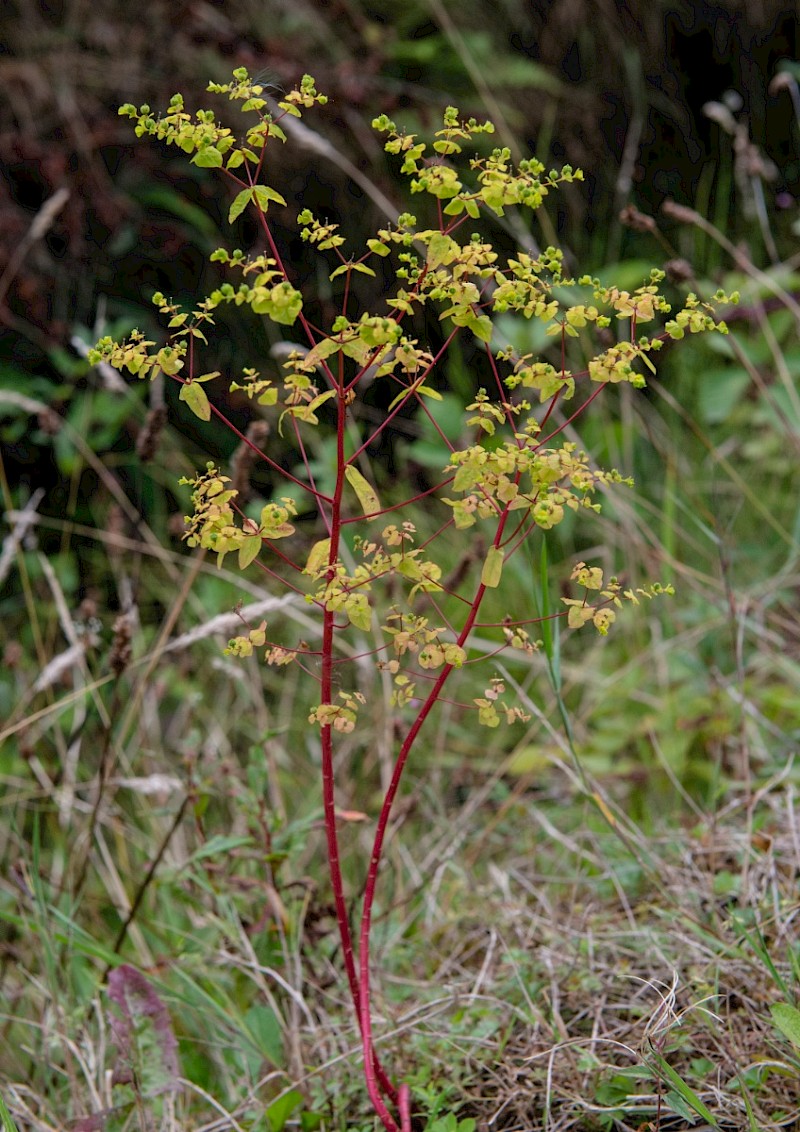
143	887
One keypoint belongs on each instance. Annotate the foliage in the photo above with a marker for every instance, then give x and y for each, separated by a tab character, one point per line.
510	481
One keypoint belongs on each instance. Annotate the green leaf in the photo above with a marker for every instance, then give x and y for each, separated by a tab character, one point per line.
240	203
281	1109
400	397
216	846
481	327
425	390
551	637
288	304
367	496
282	303
322	350
208	158
162	196
320	399
360	616
492	568
787	1019
688	1094
442	250
195	397
265	1031
346	267
264	194
249	551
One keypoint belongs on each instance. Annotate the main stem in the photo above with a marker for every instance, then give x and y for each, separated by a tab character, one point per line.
377	853
328	780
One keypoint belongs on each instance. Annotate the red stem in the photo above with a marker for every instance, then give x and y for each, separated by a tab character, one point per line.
328	780
377	852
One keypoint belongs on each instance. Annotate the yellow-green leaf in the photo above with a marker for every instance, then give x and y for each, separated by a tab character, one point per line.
240	203
320	399
579	615
248	551
442	250
263	194
426	391
360	615
321	351
482	327
208	158
318	557
400	397
195	397
492	568
169	360
366	493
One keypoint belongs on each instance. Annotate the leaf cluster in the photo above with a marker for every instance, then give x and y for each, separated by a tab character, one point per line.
510	479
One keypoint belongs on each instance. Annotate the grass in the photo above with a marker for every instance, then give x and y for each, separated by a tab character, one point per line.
561	944
535	966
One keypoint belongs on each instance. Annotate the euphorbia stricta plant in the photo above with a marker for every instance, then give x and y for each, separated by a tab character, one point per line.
368	570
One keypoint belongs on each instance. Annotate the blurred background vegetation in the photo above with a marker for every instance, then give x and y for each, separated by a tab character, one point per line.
686	714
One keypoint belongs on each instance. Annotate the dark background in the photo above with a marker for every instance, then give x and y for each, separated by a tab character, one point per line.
616	89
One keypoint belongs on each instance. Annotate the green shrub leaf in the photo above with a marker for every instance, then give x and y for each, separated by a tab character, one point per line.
195	397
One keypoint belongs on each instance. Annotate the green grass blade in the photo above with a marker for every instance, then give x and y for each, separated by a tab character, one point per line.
5	1117
682	1089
